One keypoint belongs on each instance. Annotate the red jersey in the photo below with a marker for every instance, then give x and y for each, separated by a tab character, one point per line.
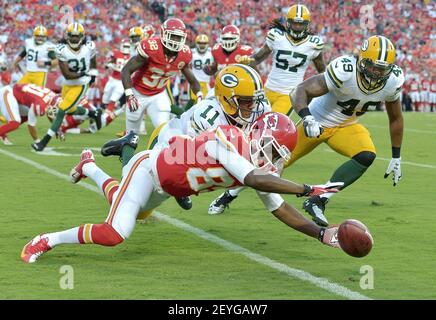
425	85
414	86
223	58
31	95
186	166
118	60
152	78
72	121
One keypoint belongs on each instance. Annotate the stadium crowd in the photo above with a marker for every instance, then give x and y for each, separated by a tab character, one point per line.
408	23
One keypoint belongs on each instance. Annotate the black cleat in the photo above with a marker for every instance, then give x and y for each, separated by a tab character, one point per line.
221	203
38	146
185	202
115	147
96	115
315	206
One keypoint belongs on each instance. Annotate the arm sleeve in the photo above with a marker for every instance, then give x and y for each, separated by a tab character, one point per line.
233	162
271	201
31	117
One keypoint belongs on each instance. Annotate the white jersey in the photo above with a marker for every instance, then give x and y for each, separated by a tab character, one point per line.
347	99
290	59
36	53
78	61
199	60
205	115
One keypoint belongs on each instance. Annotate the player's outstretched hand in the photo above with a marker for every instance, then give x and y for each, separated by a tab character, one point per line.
245	60
395	168
329	236
319	189
312	128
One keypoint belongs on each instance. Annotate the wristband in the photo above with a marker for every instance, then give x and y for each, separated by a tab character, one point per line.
307	190
321	234
396	151
128	92
47	63
304	113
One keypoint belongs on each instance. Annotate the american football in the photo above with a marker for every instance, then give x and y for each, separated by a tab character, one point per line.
217	150
354	238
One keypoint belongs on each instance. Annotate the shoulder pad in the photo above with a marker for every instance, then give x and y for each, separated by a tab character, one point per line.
340	69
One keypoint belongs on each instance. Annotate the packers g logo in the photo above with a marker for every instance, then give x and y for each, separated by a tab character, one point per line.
365	45
229	80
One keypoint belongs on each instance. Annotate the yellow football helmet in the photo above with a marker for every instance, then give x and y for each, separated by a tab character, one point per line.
135	35
75	34
202	43
240	92
298	21
40	34
376	61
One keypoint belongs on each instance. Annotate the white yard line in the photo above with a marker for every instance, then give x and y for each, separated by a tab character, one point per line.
415	164
322	283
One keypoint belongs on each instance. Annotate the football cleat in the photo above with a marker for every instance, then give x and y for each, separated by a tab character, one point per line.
6	141
96	116
34	249
315	206
76	174
221	203
115	147
38	146
185	202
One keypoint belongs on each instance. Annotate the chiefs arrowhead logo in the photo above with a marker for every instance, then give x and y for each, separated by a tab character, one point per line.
271	121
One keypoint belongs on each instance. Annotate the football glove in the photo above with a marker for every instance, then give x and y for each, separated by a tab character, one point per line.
312	128
329	236
317	190
132	101
245	60
395	168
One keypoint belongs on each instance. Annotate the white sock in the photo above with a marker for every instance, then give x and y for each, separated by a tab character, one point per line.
235	192
327	195
95	173
74	131
67	236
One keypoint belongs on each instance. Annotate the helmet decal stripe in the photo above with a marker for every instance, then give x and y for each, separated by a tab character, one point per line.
299	11
253	75
382	49
386	47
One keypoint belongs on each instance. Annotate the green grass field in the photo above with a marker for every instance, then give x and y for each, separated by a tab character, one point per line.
163	261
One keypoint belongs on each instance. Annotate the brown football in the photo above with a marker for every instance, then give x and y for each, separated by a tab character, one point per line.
354	238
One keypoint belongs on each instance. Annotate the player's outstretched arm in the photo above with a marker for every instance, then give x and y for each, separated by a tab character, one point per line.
294	219
67	73
193	82
21	56
129	68
313	87
319	63
256	58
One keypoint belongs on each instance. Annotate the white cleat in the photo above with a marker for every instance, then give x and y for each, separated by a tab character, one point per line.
35	248
221	203
6	141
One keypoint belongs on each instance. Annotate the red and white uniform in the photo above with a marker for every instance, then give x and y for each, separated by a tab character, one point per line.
24	101
114	89
150	82
71	123
425	91
414	91
224	58
214	159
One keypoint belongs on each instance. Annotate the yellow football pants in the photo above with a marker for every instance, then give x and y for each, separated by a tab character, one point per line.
279	102
71	96
37	78
347	141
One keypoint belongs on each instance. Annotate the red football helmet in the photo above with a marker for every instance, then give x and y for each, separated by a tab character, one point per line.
272	136
125	46
173	34
230	36
148	31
